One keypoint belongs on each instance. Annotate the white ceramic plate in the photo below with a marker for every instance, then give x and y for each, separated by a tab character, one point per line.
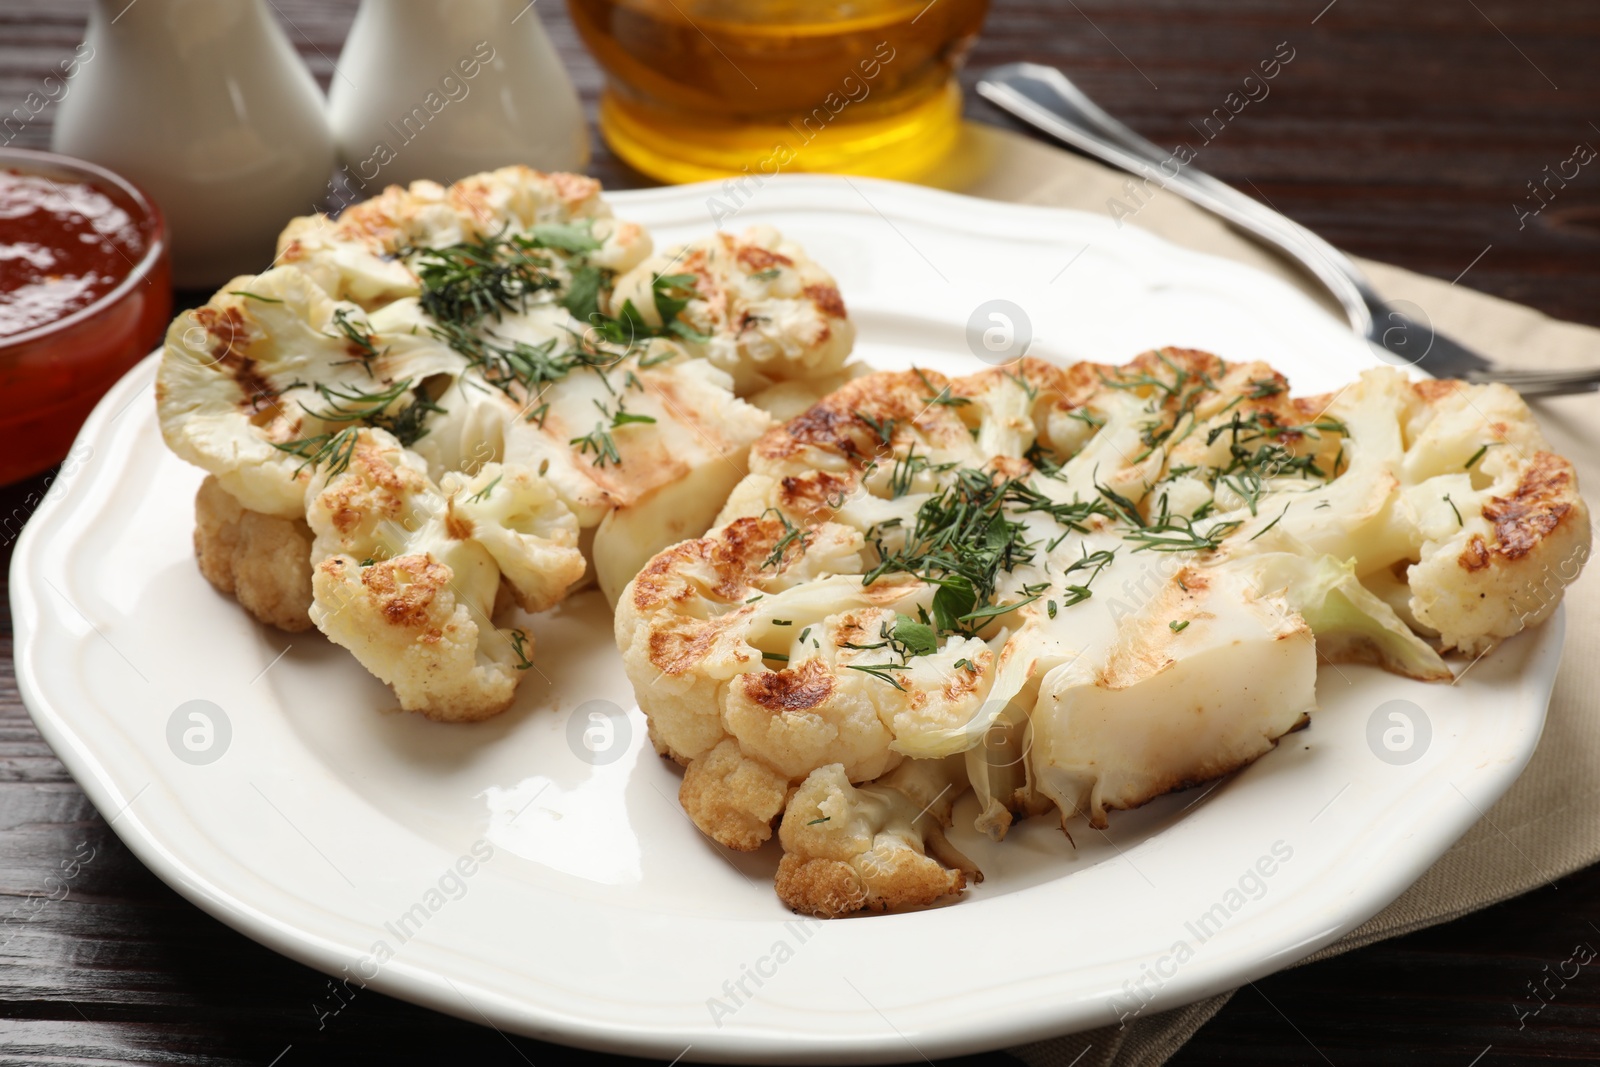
329	830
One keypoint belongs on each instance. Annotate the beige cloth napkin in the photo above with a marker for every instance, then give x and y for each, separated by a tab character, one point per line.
1548	824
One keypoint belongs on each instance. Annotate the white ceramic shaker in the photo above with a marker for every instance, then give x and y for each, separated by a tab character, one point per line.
442	89
205	105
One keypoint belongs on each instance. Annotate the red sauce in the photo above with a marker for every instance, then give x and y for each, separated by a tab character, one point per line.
63	245
85	293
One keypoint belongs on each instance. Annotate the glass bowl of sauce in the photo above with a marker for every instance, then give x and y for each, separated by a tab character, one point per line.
85	293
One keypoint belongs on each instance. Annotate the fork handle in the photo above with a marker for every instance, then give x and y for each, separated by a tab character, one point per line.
1043	97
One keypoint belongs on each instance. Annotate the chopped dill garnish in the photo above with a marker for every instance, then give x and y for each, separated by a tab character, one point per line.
671	294
1094	563
529	368
254	296
599	443
361	345
1469	464
791	534
942	396
825	818
519	645
880	671
1125	508
334	449
483	494
628	418
1452	503
348	404
905	471
468	282
992	611
1271	524
1029	390
883	428
1087	417
1177	534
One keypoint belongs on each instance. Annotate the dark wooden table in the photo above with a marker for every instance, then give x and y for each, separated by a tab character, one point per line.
1403	131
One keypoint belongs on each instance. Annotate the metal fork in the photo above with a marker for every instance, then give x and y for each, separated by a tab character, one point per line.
1047	100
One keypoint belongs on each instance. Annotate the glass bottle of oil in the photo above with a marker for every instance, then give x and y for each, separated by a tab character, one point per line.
707	88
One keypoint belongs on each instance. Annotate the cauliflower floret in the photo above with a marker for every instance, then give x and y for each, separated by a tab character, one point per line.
877	847
763	311
1523	531
517	517
406	574
1476	588
731	798
404	620
758	655
251	383
1450	489
354	256
263	561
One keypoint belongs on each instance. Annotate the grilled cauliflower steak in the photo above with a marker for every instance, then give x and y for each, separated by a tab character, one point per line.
476	325
1058	577
406	572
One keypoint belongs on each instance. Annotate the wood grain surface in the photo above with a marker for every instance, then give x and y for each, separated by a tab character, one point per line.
1408	132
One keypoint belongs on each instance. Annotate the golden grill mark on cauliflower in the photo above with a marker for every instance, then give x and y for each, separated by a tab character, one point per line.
262	561
1058	577
872	848
767	311
406	573
237	380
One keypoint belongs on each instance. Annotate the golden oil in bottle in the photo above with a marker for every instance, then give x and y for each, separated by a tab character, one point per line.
703	89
